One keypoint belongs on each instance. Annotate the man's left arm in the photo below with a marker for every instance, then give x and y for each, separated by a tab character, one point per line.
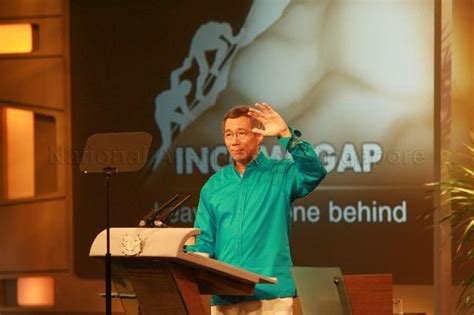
306	171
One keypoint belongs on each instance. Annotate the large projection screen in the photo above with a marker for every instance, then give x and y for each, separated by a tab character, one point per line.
356	77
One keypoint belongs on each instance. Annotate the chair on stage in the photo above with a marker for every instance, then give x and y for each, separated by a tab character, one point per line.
325	290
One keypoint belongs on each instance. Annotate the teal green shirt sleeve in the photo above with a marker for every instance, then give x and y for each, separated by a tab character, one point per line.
306	171
205	221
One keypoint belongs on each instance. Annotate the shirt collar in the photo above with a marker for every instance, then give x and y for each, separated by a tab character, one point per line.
259	159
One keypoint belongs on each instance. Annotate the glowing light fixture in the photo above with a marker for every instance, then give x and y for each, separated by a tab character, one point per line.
20	154
35	291
16	38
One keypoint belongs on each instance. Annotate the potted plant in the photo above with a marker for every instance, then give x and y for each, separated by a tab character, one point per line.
458	192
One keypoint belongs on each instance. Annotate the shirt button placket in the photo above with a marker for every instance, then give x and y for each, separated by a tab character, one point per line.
240	215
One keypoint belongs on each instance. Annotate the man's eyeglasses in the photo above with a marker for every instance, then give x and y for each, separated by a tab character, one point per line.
241	134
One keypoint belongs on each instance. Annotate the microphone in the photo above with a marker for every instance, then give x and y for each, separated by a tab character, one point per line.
151	215
163	217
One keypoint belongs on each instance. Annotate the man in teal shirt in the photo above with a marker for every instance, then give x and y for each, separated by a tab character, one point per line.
244	210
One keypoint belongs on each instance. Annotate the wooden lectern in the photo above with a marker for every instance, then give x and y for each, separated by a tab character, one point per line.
153	274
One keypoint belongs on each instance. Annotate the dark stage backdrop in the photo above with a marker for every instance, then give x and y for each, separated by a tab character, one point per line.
355	77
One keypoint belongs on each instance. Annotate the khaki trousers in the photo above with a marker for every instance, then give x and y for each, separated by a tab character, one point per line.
279	306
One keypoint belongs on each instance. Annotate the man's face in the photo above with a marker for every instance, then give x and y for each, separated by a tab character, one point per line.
239	139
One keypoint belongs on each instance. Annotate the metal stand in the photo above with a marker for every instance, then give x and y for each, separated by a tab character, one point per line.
109	145
108	171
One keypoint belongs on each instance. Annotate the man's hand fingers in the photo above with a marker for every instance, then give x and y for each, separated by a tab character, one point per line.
259	131
256	113
267	107
264	108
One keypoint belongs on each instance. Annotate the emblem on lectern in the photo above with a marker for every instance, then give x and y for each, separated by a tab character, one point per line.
131	244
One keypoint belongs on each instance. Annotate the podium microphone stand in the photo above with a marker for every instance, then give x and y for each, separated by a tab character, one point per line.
111	154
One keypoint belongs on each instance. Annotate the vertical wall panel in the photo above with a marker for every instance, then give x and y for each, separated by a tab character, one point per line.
33	232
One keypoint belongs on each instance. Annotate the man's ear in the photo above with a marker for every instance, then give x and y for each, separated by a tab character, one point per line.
259	138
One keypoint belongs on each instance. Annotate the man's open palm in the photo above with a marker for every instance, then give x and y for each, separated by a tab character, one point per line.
272	121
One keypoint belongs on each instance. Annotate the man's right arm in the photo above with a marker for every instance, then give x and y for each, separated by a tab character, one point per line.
205	221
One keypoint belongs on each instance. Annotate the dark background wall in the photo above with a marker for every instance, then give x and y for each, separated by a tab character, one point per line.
122	53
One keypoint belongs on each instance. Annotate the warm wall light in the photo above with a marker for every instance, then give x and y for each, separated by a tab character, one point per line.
16	38
20	155
35	291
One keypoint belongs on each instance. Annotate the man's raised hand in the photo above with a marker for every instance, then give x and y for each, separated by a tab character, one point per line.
273	123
